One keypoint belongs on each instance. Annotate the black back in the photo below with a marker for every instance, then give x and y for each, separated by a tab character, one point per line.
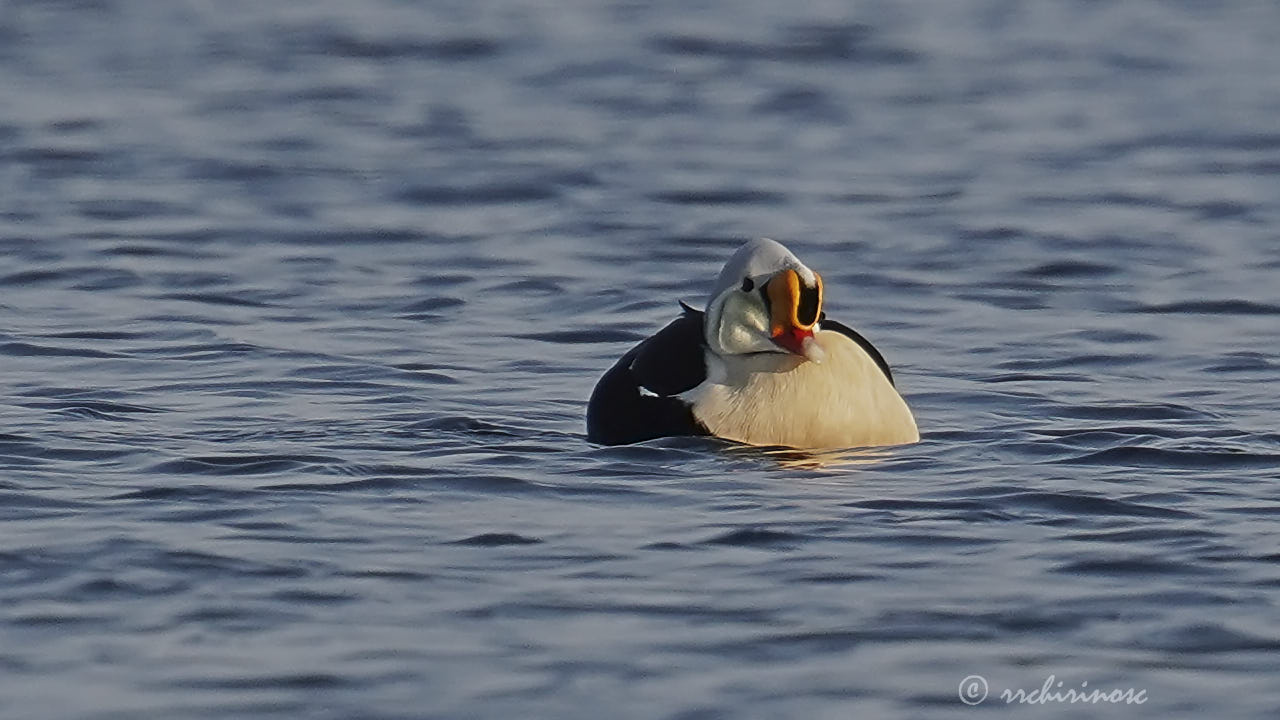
667	364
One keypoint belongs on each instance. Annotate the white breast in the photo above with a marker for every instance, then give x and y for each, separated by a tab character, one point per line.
774	399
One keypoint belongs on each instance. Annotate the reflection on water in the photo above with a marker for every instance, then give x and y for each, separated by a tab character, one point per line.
833	461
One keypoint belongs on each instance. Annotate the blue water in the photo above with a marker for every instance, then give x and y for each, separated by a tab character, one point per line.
300	304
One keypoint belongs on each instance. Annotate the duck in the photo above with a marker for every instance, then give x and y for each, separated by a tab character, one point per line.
762	364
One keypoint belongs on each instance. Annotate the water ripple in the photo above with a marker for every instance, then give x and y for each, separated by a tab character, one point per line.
237	464
756	537
1148	457
1212	307
804	43
497	539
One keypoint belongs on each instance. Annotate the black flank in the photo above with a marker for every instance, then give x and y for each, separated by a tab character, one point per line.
669	363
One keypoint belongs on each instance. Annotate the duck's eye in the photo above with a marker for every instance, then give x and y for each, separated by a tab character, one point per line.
747	285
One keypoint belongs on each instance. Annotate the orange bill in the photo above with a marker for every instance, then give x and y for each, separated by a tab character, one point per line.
794	309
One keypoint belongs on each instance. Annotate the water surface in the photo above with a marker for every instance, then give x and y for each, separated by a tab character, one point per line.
301	303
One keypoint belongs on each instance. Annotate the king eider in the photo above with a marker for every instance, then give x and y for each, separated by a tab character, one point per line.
763	365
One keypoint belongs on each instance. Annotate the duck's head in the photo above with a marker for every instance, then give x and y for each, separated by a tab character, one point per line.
765	301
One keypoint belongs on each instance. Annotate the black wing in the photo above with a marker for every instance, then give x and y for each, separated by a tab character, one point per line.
665	365
865	344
